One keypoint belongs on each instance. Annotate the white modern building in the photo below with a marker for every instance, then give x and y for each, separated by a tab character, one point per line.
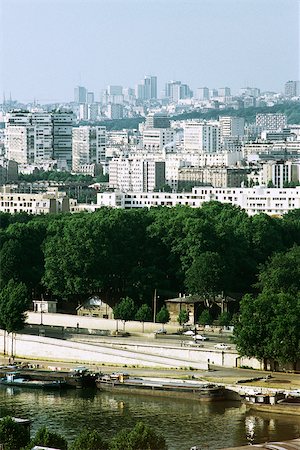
269	121
28	136
269	201
88	146
201	136
155	139
231	126
138	174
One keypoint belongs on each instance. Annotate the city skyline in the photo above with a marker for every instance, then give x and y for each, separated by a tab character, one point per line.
48	47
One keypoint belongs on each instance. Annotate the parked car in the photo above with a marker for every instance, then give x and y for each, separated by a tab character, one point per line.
200	337
222	346
188	333
160	331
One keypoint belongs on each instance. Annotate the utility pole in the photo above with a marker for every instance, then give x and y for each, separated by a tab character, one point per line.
154	306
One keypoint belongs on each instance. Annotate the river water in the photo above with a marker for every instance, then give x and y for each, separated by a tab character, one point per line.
183	423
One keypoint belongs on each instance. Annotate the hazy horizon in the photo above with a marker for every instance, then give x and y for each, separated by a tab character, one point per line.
50	46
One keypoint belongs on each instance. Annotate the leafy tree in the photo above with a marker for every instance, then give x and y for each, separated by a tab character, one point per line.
89	440
144	314
225	319
163	315
14	303
282	272
268	327
125	310
141	437
13	435
183	317
205	318
205	276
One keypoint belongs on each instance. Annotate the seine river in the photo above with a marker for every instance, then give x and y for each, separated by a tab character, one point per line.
183	423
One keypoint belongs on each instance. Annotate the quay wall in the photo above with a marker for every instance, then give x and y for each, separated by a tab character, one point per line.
141	354
38	347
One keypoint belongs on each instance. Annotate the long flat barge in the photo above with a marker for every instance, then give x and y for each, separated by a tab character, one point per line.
161	387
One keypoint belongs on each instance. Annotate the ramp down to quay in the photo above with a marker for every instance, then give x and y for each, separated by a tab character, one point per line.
38	347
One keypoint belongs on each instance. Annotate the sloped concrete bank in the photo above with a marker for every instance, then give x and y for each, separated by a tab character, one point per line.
37	347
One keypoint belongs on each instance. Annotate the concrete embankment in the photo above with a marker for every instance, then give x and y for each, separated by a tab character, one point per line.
160	355
26	346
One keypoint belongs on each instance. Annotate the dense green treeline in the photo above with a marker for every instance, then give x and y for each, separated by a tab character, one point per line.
118	253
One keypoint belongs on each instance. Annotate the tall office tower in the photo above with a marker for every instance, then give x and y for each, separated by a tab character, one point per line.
90	98
185	92
80	94
271	121
129	95
115	94
114	90
88	146
16	144
62	136
202	93
150	86
250	92
172	90
28	137
140	91
292	88
83	111
224	92
202	137
157	120
115	111
43	136
213	93
231	126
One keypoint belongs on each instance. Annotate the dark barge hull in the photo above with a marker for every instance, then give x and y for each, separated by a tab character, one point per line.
200	394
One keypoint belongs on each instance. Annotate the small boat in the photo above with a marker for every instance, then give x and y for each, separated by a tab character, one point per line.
277	402
14	379
161	387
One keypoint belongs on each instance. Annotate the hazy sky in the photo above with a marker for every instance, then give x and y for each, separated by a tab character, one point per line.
50	46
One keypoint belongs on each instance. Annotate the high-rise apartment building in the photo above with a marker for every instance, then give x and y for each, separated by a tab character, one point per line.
115	111
157	120
150	86
202	93
80	94
231	126
175	91
271	121
202	137
224	92
137	174
62	136
90	98
292	88
88	146
29	137
250	92
147	88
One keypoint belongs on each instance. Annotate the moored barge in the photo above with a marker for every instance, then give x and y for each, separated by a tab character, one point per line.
161	387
